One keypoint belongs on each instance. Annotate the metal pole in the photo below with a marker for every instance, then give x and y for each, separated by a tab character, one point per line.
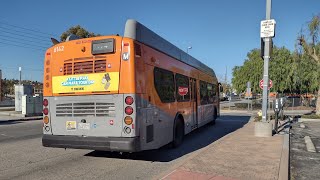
266	58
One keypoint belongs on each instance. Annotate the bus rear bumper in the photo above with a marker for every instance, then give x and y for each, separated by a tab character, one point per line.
120	144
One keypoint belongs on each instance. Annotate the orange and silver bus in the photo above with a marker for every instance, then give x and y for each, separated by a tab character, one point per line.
124	93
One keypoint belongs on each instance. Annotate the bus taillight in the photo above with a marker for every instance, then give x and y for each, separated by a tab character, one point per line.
128	110
129	100
128	120
45	102
45	111
46	120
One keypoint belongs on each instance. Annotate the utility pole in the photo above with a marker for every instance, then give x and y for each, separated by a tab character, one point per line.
225	76
266	57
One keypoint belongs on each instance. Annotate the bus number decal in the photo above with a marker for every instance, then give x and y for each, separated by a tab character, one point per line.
58	49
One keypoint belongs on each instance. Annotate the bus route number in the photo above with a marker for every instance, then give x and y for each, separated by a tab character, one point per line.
58	49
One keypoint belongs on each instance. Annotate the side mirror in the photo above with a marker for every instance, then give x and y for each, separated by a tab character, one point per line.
220	88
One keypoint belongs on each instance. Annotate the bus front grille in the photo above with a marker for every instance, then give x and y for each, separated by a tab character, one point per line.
93	109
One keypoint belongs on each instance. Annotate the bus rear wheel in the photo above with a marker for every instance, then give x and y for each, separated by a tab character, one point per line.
178	133
215	115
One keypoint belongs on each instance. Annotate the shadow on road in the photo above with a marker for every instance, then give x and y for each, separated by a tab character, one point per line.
198	139
9	122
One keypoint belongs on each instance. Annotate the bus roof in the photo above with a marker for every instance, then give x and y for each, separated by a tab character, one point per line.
140	33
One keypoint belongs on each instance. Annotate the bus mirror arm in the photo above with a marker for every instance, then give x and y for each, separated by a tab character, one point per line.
54	41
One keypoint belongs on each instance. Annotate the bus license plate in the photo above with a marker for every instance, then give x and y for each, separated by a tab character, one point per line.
84	126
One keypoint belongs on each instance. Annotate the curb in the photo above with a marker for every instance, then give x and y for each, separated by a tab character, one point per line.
308	120
285	154
23	119
175	167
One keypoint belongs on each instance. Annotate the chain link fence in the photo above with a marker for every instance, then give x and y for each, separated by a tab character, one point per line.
300	102
297	102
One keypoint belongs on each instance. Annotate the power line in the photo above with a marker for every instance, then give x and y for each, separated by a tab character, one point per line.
8	32
28	29
27	40
15	41
24	32
10	44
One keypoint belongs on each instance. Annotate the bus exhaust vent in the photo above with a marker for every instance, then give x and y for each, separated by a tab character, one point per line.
85	109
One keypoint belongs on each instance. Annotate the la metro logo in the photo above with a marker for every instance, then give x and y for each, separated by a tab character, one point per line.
125	56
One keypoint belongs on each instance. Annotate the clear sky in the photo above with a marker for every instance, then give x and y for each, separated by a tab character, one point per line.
221	33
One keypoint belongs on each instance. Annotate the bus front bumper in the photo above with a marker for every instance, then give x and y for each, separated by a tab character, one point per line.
120	144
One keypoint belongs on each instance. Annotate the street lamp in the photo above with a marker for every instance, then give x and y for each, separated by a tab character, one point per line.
190	47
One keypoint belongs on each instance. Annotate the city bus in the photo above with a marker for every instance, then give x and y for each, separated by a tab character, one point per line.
124	93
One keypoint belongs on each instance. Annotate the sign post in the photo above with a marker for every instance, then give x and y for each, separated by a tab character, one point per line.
248	93
267	32
264	128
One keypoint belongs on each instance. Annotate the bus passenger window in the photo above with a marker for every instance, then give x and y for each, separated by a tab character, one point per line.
210	93
203	93
164	84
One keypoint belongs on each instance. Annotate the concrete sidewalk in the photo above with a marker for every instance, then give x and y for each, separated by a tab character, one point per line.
239	155
7	113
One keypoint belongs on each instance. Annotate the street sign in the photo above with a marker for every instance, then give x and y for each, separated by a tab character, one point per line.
248	84
183	91
267	28
261	84
248	93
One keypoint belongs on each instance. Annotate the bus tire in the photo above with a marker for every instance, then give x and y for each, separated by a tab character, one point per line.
215	115
178	133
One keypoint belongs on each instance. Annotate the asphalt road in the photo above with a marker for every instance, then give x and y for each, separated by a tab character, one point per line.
23	157
304	164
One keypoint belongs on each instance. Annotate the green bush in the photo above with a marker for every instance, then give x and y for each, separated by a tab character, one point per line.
245	105
311	116
241	105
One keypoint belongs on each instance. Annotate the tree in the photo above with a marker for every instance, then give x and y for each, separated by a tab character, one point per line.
250	71
281	71
311	46
79	31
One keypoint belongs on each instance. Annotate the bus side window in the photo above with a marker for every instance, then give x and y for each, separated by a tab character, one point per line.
211	92
164	84
203	93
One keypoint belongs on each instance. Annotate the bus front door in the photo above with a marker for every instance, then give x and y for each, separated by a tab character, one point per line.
194	105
